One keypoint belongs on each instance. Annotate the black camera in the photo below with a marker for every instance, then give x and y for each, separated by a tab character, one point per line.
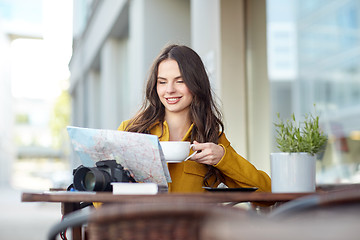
99	178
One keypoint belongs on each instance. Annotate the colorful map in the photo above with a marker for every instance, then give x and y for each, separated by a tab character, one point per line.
140	153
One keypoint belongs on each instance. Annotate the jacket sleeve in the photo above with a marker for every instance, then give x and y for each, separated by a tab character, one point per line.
238	172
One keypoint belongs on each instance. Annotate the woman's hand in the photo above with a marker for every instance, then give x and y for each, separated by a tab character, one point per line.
208	153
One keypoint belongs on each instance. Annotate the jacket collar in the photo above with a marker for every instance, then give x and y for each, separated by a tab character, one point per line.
156	128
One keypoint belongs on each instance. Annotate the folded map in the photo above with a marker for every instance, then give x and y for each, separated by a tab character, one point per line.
139	153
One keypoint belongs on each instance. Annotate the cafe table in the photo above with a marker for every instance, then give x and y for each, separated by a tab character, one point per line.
72	201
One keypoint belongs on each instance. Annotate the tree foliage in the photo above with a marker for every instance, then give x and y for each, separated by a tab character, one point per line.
60	118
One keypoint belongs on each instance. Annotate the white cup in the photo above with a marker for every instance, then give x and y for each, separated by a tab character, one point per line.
176	151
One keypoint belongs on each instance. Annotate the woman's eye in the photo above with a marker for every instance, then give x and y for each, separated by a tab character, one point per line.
161	82
180	81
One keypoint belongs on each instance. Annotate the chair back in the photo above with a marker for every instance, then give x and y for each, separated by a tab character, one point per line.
152	221
345	201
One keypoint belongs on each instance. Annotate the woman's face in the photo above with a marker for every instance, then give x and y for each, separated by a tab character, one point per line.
171	88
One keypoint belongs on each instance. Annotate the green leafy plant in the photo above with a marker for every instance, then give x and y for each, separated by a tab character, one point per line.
304	136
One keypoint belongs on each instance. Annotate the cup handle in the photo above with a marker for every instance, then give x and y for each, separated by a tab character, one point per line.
191	154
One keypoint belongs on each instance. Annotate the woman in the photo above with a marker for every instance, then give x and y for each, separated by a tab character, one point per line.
179	107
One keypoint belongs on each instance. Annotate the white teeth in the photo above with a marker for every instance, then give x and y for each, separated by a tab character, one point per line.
172	99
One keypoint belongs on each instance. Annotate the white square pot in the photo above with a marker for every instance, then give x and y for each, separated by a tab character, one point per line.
293	172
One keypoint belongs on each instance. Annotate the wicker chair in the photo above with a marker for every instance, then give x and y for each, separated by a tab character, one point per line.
156	221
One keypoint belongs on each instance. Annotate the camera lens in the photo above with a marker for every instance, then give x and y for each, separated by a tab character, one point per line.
91	179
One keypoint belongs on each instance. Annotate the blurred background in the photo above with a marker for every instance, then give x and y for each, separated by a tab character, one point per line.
85	62
36	46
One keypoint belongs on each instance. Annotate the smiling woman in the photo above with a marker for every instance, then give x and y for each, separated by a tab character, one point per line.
179	106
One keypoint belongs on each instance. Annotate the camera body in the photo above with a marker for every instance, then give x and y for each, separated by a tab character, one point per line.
99	178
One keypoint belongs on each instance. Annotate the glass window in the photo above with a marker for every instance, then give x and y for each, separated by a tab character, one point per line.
313	58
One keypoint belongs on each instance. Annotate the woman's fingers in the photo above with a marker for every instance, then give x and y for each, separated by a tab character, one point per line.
208	153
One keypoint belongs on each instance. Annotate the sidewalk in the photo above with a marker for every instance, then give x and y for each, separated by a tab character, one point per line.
25	221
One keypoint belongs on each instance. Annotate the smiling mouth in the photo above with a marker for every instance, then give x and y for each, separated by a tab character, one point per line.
172	100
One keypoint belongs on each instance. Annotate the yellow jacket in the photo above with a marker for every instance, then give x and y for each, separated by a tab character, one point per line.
188	176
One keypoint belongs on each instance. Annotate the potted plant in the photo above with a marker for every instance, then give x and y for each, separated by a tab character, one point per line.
301	143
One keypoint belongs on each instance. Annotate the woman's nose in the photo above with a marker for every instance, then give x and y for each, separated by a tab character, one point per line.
170	87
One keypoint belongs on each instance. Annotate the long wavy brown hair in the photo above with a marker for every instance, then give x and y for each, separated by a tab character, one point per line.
204	113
